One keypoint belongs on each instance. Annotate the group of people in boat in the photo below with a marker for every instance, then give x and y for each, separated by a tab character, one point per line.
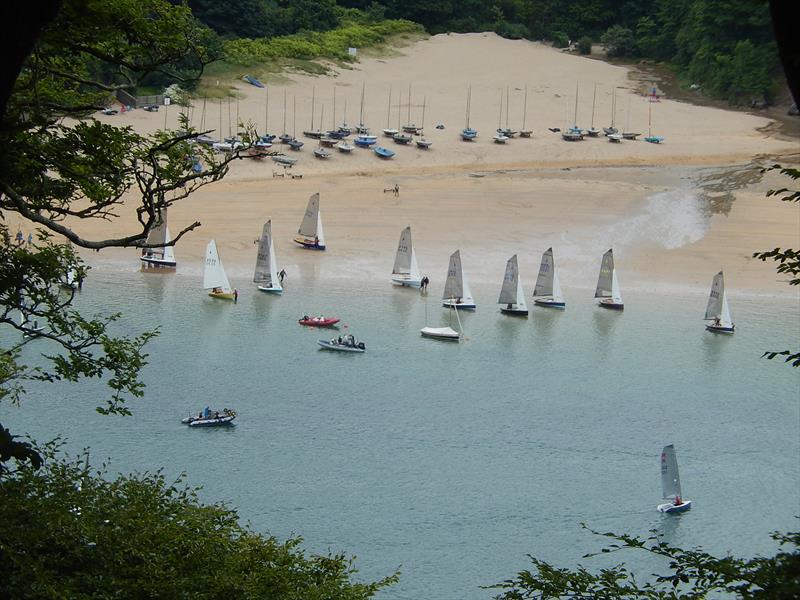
348	340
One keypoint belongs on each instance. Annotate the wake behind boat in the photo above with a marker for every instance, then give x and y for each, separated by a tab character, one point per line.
671	483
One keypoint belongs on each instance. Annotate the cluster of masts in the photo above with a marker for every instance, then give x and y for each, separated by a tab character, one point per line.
338	137
547	292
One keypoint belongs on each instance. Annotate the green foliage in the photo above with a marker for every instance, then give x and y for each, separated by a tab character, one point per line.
512	31
560	39
585	45
788	259
311	45
70	533
692	574
619	41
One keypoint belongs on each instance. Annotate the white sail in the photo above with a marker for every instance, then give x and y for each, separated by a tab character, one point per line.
414	272
402	260
213	272
558	296
616	294
320	232
714	306
520	295
169	253
510	292
670	478
545	282
266	273
725	317
310	227
604	281
453	286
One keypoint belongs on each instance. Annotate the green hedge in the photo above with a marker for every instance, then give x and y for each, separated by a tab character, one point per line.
314	44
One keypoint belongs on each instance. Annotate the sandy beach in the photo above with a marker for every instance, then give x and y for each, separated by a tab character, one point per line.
675	213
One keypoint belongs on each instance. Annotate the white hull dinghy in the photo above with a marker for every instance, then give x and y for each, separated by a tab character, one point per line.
214	277
671	483
718	314
512	297
211	418
311	234
161	256
547	292
456	288
405	271
266	273
346	343
607	284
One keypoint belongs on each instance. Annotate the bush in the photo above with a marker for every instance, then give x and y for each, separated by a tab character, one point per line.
512	31
619	41
560	39
585	45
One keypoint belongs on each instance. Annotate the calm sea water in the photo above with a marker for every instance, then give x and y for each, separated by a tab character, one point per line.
450	461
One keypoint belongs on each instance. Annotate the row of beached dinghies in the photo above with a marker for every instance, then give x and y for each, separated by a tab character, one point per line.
405	272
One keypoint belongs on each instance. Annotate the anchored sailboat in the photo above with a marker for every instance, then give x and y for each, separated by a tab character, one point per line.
608	285
456	288
468	133
526	133
311	234
548	290
671	483
512	297
653	139
444	333
717	311
405	271
161	256
266	275
214	277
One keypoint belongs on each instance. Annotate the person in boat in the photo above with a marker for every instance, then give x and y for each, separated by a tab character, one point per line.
217	290
305	317
206	412
216	414
316	241
678	501
509	306
340	340
717	321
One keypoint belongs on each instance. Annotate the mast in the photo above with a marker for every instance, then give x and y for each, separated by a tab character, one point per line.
500	116
409	103
525	108
361	114
313	99
506	107
389	110
294	117
333	114
266	113
284	112
469	97
594	96
424	102
575	118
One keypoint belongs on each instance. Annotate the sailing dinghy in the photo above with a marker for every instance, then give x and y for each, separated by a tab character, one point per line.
405	271
311	234
161	255
214	277
444	333
717	311
671	483
548	290
266	274
512	297
608	285
456	288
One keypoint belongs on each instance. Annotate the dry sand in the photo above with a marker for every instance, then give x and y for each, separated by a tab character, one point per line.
489	200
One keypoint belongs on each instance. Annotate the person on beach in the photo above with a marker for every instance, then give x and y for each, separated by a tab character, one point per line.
30	239
424	284
396	190
20	237
282	274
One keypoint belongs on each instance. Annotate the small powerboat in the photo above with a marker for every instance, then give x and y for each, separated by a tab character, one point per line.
347	343
318	321
210	418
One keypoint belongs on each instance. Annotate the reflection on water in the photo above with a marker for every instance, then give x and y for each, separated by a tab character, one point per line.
544	321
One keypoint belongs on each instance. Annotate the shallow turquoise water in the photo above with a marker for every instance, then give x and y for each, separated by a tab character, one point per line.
452	462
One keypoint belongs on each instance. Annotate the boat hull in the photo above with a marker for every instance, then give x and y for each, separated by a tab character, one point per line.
461	305
415	283
514	312
550	304
310	244
222	295
157	263
720	329
331	345
226	421
270	290
440	333
611	305
319	322
669	507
